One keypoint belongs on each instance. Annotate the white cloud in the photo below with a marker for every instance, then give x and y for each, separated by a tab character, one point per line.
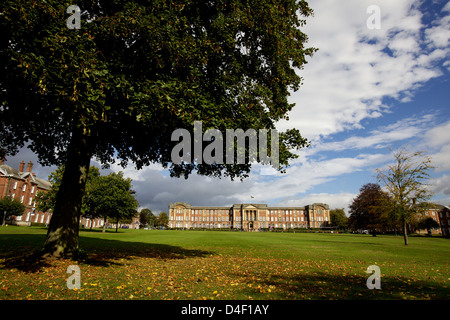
441	185
356	67
136	175
335	201
382	137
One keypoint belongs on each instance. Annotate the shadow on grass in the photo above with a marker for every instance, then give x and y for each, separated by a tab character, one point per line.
325	286
22	252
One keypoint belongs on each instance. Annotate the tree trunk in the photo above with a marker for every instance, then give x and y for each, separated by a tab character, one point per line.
405	231
62	234
104	224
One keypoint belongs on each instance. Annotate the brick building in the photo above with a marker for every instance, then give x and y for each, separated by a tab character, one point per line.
440	214
443	218
248	216
23	185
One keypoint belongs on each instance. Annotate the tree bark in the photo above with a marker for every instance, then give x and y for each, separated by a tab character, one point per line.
405	231
62	234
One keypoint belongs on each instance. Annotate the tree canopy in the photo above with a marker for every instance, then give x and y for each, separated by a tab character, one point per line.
112	197
370	209
133	73
338	219
10	207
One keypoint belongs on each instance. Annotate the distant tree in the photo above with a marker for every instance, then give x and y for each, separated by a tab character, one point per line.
405	181
163	219
10	207
112	198
338	219
368	209
146	217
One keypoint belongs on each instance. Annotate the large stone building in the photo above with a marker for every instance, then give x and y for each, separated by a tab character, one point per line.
248	216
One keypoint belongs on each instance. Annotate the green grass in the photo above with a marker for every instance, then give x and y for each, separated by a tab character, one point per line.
155	264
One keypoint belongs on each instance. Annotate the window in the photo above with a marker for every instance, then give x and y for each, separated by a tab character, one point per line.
30	201
15	185
24	187
21	199
32	189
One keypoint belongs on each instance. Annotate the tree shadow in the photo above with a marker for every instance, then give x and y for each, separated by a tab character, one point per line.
326	286
22	252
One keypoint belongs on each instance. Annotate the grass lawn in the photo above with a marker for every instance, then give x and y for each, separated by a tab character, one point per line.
194	265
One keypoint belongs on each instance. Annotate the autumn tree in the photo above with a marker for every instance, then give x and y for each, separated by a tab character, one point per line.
117	87
405	181
146	217
338	219
369	210
162	220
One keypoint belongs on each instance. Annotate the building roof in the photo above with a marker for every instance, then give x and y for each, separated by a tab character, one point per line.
8	171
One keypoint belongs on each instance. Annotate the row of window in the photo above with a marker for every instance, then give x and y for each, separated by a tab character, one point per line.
24	188
30	199
200	218
261	218
222	211
236	225
40	219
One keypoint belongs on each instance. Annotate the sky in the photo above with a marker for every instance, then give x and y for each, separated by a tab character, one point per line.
379	80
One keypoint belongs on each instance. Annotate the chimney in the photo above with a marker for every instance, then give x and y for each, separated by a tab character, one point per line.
29	166
22	165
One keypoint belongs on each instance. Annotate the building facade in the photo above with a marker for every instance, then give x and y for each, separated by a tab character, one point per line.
444	220
23	185
248	216
440	214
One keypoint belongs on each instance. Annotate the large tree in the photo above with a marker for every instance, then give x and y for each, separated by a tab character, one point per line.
162	220
370	209
147	218
338	219
112	197
406	182
117	87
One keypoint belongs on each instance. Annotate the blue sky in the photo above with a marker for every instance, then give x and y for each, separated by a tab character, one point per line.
364	91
